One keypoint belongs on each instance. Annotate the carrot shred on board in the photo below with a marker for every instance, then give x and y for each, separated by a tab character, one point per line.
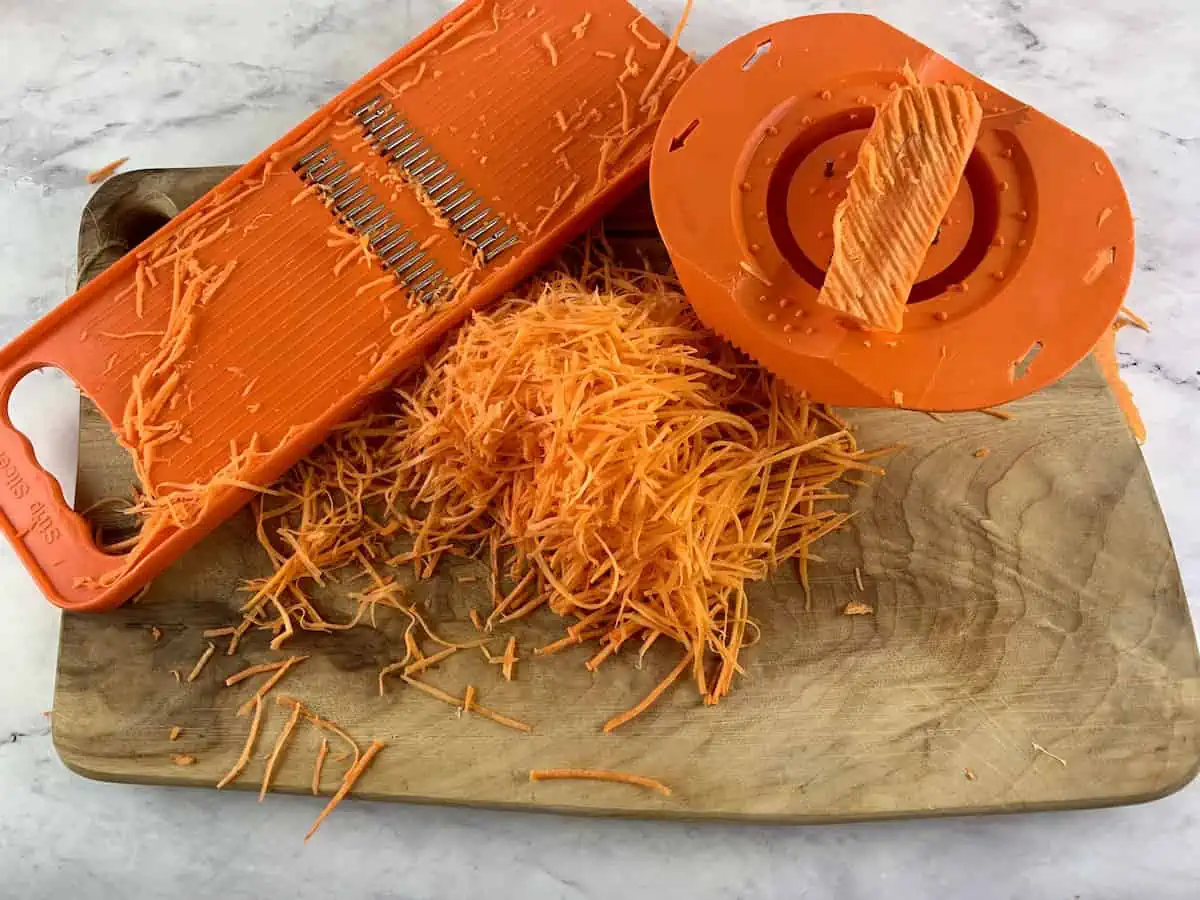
429	661
646	702
277	751
510	659
348	783
174	734
106	171
183	759
600	775
201	662
270	683
248	749
506	721
998	414
260	669
319	766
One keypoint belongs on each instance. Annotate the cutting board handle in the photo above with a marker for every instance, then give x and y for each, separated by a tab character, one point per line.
54	542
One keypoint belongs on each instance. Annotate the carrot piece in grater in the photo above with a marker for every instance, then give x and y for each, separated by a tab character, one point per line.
909	168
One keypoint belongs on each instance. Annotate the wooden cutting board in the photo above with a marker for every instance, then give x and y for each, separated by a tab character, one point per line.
1026	600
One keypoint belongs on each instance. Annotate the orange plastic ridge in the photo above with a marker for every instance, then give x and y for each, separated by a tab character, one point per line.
226	347
1022	275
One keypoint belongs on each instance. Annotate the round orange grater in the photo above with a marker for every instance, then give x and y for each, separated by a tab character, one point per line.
1028	269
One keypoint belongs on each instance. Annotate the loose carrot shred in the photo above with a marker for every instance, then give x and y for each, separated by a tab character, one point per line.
277	751
183	759
510	659
260	669
617	721
248	749
998	414
348	783
106	171
319	766
201	663
429	661
600	775
175	732
270	683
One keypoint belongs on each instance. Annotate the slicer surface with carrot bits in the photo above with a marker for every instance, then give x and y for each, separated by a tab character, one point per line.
225	347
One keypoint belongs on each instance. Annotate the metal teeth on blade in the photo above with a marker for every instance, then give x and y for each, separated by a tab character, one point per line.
400	143
409	263
369	105
310	156
341	192
416	274
496	251
375	114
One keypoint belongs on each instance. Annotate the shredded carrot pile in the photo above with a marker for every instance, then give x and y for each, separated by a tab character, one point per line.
627	470
637	467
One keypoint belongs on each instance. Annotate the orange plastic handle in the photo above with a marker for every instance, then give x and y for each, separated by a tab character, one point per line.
54	542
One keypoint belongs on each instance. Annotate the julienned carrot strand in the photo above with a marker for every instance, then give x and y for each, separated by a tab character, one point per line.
600	775
277	751
319	766
617	721
348	783
248	749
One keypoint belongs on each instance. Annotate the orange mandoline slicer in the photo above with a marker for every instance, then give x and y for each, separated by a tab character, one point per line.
753	157
225	348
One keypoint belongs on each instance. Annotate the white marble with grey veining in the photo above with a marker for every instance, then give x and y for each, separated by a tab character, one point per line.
202	83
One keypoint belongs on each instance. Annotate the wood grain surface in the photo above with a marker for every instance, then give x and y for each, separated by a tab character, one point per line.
1027	599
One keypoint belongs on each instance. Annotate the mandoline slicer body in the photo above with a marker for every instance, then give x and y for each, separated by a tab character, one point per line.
227	346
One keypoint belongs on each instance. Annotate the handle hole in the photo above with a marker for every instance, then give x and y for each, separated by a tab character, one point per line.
104	483
44	407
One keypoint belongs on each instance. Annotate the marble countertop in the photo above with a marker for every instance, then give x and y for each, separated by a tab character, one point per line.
211	83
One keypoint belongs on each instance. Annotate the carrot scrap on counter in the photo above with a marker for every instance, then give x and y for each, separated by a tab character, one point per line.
174	733
106	171
858	608
600	775
183	759
1105	352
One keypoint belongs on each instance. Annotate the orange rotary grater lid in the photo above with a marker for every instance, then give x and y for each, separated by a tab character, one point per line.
228	345
753	157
